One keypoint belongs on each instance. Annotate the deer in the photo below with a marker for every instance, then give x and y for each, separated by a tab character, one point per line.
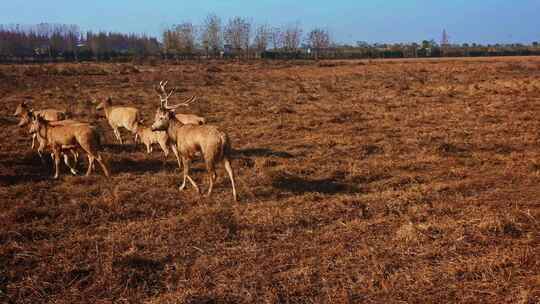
24	111
64	149
213	144
55	117
149	137
186	119
120	117
70	136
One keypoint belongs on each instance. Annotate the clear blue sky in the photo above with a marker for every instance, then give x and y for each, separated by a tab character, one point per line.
485	21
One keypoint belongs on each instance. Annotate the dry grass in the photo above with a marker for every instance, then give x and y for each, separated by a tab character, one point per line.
360	182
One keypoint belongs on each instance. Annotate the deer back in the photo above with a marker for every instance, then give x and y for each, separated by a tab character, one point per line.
190	119
126	117
211	141
51	114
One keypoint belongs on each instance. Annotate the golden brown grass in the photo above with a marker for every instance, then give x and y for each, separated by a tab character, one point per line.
360	182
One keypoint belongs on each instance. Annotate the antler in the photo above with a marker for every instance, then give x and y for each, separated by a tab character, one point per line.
164	99
186	103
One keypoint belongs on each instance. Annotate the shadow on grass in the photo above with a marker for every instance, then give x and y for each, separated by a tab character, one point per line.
263	152
118	148
22	168
124	165
138	272
7	120
141	166
300	185
9	180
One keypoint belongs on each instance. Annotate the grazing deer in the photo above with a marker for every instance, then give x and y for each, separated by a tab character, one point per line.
70	136
213	144
186	119
48	114
120	117
149	137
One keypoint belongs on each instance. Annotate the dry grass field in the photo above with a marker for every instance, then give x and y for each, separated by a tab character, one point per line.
400	181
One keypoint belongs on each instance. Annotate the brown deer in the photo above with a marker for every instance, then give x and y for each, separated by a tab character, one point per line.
188	140
149	137
24	112
69	136
64	149
120	117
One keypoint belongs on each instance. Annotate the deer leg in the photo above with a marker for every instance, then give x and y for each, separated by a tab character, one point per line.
33	140
56	153
66	161
163	146
211	177
102	164
148	148
175	151
229	170
75	155
186	164
186	169
117	133
41	157
90	163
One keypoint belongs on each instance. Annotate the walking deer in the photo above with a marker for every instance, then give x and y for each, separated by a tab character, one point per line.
120	117
213	144
72	136
64	149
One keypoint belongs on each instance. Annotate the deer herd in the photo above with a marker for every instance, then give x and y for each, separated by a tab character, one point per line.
187	135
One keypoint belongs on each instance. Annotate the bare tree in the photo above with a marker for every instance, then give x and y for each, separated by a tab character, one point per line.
212	37
276	38
238	33
318	39
262	37
170	41
292	36
185	32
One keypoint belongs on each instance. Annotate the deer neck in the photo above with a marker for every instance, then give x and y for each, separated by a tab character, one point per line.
107	109
174	125
43	134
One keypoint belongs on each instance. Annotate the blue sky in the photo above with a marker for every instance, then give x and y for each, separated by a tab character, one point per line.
348	20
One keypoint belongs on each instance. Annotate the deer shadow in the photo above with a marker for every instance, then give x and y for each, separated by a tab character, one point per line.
141	166
298	185
7	120
121	148
10	180
263	152
126	165
139	272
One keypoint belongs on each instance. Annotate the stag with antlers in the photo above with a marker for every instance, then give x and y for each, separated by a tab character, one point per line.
187	140
186	119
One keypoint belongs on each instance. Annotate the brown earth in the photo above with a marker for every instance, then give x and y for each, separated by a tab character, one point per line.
359	182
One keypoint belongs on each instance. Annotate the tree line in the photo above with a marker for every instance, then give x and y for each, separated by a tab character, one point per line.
236	37
64	42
